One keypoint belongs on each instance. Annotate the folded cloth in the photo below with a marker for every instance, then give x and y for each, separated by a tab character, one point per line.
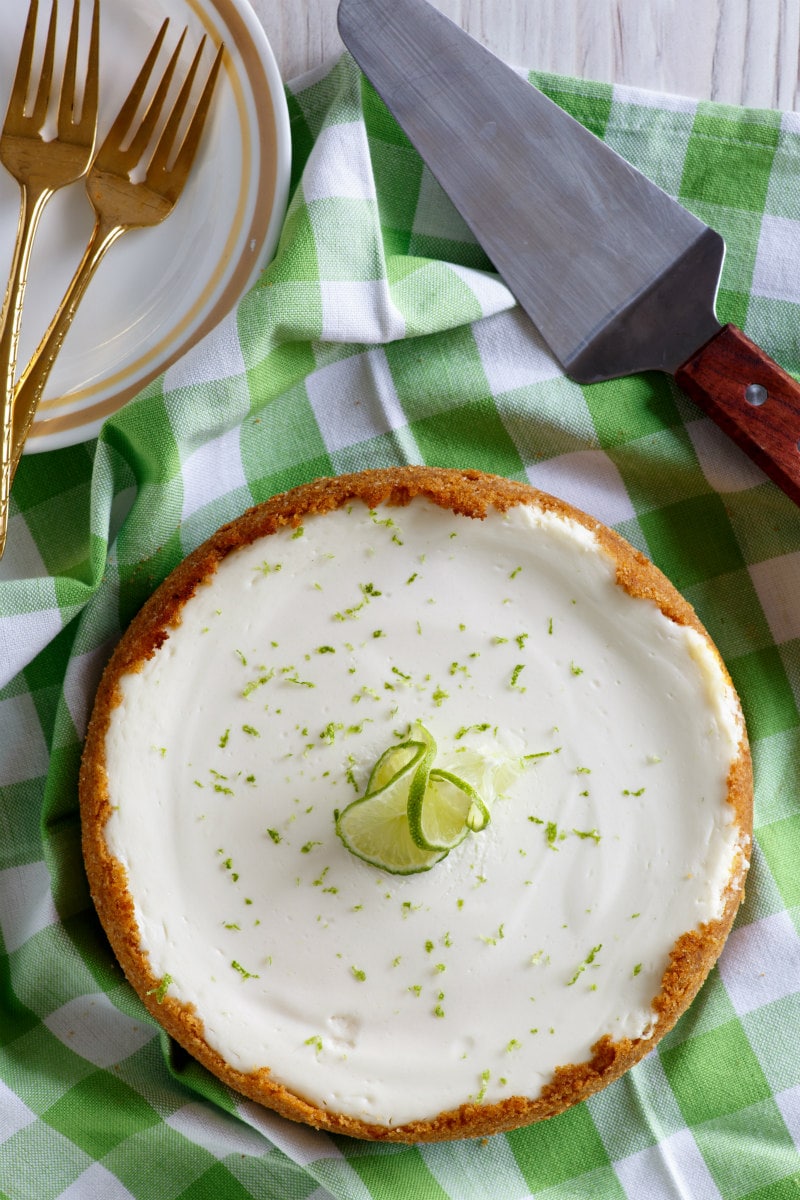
380	335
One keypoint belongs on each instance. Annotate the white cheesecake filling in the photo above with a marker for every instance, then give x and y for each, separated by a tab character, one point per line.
392	998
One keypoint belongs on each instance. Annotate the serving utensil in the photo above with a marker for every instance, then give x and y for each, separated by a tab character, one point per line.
617	276
40	168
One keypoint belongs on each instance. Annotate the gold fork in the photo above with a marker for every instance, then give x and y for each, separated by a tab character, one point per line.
121	204
40	168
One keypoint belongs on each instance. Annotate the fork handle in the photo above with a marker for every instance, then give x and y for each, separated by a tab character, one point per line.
34	378
32	203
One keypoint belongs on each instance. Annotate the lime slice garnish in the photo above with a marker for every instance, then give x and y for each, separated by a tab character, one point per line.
490	770
422	770
478	815
394	761
375	828
412	813
450	809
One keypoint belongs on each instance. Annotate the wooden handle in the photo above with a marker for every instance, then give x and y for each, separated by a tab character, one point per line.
753	399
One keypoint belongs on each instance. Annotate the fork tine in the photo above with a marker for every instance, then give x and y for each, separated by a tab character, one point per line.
145	131
19	91
116	134
46	77
22	79
169	133
68	100
191	140
66	108
92	85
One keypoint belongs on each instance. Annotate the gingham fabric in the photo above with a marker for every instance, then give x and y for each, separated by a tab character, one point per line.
380	336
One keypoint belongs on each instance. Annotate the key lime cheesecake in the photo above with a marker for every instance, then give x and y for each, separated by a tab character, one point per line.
416	804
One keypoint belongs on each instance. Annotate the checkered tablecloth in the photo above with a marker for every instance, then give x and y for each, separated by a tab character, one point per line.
379	336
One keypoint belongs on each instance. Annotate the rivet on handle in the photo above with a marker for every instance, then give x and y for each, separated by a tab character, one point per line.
756	394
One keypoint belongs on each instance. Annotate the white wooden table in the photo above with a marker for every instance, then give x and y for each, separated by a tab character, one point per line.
736	51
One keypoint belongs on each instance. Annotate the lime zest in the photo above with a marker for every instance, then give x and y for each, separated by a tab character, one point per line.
515	674
465	729
160	990
245	974
590	957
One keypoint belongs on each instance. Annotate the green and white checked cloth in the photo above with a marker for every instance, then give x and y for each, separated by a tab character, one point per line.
380	336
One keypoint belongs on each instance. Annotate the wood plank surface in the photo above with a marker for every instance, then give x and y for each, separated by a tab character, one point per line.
735	51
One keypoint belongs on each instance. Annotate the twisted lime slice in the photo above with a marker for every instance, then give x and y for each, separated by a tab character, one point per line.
447	812
412	814
490	769
375	828
394	761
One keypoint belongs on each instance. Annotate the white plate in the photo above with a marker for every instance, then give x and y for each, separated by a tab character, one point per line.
159	290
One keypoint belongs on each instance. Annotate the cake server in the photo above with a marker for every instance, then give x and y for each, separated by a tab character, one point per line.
616	275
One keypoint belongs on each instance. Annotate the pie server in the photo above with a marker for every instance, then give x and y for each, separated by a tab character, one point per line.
616	275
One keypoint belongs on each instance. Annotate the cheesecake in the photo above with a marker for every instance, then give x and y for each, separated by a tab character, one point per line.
554	671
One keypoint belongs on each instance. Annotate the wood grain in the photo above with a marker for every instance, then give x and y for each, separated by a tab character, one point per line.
721	376
735	51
